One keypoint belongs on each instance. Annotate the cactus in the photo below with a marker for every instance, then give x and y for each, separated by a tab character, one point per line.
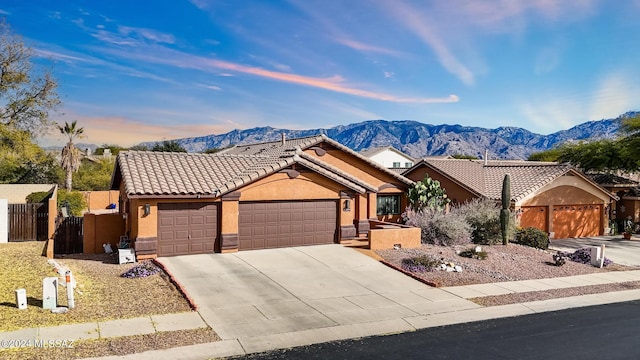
504	213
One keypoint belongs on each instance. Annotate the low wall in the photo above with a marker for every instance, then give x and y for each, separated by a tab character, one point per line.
384	236
99	200
101	229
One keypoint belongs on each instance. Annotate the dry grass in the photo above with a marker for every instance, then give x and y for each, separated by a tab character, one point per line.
115	346
104	294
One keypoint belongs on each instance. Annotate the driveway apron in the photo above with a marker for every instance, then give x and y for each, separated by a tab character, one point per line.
619	250
266	292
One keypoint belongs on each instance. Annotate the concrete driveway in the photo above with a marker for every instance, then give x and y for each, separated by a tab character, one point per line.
290	290
621	251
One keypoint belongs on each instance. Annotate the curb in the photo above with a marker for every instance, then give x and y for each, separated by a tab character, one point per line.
177	284
426	282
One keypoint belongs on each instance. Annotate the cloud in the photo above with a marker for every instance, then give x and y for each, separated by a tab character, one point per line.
108	130
147	34
3	12
419	23
210	87
334	83
59	56
388	74
615	94
356	45
546	61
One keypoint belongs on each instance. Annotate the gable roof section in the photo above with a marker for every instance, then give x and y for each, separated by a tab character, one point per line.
290	146
377	150
612	180
485	178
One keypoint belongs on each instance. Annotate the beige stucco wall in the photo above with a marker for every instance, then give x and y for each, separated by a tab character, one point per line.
306	186
381	239
566	190
99	200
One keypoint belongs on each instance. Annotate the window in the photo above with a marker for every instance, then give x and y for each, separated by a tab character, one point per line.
396	164
408	164
388	204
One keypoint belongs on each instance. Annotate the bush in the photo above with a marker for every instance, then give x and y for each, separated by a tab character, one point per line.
76	200
484	217
420	263
533	237
37	197
439	228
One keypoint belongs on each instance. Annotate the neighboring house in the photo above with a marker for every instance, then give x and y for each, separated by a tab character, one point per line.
390	157
553	197
293	192
17	193
627	190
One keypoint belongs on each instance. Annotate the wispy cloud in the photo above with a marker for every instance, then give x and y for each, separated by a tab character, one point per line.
615	94
210	87
388	74
147	34
419	23
60	57
3	12
108	130
360	46
160	55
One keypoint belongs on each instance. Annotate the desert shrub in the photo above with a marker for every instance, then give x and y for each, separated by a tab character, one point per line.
75	199
428	194
583	256
420	263
473	254
439	228
484	217
533	237
37	197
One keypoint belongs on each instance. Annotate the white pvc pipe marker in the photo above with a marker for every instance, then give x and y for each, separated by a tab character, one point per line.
70	300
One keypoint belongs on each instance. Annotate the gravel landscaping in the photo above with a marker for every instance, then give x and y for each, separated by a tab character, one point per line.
503	263
102	293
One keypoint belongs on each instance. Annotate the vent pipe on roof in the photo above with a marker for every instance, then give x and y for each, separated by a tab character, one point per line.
486	157
284	139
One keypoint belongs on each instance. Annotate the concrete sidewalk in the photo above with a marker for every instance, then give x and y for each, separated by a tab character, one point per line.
110	329
446	310
367	315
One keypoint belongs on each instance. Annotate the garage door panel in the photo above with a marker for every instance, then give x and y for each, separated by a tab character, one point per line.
577	221
187	228
286	223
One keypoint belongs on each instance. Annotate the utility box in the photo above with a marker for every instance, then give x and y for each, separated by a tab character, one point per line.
126	256
50	293
21	299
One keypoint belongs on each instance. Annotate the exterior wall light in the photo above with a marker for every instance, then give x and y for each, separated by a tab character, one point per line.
147	209
347	205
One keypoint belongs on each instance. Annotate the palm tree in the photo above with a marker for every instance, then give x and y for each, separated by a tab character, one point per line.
70	161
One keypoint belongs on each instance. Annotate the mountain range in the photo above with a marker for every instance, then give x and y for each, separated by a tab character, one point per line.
418	139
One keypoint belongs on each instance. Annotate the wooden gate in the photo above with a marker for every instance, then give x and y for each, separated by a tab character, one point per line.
28	222
68	236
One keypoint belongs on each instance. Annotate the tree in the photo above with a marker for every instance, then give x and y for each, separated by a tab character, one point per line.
168	146
601	155
94	175
26	96
115	149
428	194
70	160
22	161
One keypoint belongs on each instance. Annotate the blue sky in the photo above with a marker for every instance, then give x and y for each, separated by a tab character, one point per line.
132	71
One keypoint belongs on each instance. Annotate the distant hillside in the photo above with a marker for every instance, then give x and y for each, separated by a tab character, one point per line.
419	139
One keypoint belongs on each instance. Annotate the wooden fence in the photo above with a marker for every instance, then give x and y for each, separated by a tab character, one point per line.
68	236
28	222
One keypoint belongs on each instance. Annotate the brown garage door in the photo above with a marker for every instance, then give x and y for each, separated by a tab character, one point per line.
576	221
264	225
187	228
534	216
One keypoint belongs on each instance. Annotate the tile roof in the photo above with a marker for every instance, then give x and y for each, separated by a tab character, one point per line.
167	173
612	180
147	173
291	145
485	179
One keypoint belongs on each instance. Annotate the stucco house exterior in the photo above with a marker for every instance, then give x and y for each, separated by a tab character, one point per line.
628	192
556	198
390	157
291	192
